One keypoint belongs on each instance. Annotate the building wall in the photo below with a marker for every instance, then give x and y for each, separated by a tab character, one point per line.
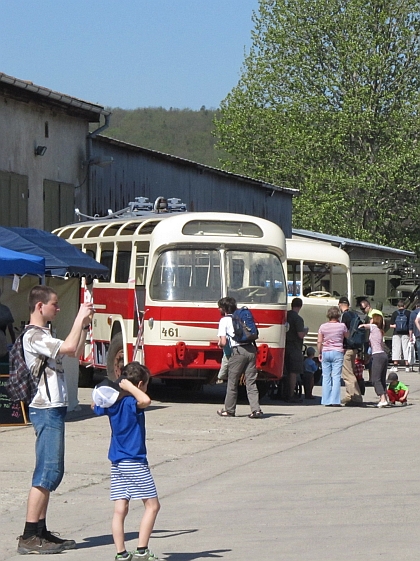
65	138
142	173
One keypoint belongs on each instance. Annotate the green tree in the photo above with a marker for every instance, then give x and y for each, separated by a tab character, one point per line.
328	103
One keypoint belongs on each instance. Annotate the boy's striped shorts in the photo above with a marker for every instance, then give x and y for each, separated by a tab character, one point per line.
131	479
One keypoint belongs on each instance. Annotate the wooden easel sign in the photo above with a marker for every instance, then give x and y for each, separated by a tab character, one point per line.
11	413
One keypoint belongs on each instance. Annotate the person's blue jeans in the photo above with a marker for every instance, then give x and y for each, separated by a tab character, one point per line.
49	448
332	363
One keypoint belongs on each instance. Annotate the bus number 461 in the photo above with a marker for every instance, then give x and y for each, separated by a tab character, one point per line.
171	332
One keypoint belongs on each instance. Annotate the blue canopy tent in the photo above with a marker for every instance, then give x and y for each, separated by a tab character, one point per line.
16	263
61	258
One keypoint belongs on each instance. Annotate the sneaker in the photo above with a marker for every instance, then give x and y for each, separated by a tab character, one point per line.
54	538
34	544
124	557
146	556
394	369
382	404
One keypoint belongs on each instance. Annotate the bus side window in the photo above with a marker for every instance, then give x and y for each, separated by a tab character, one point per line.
293	278
122	269
141	268
107	257
91	253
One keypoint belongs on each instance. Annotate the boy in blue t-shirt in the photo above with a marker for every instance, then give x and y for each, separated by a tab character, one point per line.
130	474
309	369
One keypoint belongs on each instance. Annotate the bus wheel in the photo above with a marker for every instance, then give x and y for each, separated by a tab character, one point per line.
115	359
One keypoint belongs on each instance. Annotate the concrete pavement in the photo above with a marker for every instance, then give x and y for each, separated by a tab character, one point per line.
305	483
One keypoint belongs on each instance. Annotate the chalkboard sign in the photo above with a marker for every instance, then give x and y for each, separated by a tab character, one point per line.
11	413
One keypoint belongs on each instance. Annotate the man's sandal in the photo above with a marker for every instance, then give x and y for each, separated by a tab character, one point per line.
224	413
256	415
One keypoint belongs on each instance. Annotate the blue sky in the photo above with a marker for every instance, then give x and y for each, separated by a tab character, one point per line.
131	53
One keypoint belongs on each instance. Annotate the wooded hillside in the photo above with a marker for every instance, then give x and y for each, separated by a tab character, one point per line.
180	132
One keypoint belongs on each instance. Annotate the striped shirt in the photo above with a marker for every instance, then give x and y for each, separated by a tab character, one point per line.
332	336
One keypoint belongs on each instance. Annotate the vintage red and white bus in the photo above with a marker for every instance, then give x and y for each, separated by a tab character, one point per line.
167	272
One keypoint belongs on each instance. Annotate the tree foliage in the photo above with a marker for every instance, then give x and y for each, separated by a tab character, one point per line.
180	132
328	103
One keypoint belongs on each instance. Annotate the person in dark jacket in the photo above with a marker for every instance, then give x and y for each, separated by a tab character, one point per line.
353	393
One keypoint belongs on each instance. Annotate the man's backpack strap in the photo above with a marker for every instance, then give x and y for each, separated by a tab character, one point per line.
43	366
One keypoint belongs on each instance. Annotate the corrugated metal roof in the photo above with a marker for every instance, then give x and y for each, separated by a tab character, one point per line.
347	242
171	158
53	96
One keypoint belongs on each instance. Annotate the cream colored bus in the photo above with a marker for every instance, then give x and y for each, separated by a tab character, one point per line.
319	273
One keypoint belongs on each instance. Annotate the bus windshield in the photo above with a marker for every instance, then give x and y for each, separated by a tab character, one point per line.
189	275
255	277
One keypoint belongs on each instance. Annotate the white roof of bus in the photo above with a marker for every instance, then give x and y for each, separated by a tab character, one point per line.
315	251
104	228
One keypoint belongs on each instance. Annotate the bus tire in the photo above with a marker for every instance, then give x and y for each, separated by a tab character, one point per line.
115	355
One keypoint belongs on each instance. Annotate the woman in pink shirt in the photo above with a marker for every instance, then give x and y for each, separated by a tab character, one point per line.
331	353
379	358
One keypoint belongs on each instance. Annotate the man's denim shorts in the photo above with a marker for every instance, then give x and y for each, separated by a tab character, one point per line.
49	447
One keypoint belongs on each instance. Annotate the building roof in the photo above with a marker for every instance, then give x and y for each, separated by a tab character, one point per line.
25	91
200	167
347	243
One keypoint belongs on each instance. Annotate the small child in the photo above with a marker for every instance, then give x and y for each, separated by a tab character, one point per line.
397	391
359	368
130	474
309	369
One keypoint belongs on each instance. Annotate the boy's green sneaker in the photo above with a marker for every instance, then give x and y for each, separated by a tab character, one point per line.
124	557
146	556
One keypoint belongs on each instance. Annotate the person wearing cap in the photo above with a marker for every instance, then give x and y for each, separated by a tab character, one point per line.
353	393
397	391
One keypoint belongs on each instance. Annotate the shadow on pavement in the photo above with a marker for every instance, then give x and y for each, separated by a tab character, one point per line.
190	556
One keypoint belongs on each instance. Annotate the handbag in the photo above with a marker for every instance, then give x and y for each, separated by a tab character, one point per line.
411	353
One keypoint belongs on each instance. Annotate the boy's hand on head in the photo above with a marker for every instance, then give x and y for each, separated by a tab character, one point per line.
126	385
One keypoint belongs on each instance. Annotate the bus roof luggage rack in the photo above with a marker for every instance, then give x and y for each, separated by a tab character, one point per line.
141	206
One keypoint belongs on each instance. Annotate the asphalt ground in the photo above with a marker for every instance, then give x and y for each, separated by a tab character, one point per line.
306	482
